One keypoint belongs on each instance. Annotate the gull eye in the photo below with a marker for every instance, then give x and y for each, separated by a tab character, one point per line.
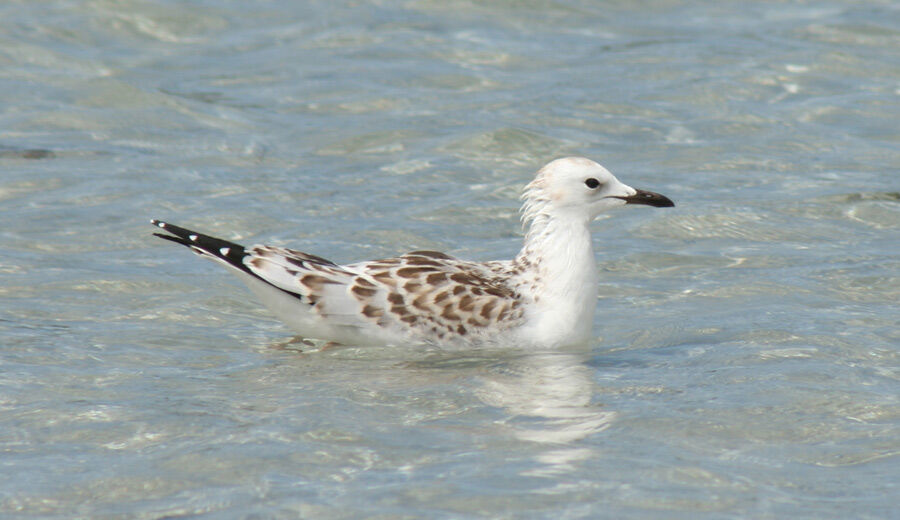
592	183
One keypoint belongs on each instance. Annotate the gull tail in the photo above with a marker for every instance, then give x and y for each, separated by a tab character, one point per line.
223	251
232	256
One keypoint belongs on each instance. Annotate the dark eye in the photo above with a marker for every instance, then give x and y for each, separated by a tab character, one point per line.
592	183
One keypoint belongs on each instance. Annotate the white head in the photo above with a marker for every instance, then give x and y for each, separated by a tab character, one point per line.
580	189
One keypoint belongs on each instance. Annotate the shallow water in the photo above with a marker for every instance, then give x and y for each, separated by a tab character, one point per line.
746	359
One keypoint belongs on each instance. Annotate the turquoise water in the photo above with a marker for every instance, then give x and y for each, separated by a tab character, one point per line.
746	359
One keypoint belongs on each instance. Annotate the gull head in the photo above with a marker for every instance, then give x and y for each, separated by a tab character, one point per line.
580	189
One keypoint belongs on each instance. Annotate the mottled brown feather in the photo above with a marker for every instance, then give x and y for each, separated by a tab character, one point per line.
386	278
420	261
316	282
436	278
421	303
373	312
448	314
431	254
363	282
486	309
364	292
412	272
464	278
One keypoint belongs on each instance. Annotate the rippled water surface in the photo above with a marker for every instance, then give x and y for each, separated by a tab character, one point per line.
746	354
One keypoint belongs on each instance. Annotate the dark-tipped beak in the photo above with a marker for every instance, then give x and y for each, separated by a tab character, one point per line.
649	198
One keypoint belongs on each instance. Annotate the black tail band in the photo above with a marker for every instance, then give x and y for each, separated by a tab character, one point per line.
228	251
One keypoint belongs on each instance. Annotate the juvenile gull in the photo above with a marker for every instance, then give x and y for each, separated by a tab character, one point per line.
544	297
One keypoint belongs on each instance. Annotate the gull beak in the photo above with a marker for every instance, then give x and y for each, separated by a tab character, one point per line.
649	198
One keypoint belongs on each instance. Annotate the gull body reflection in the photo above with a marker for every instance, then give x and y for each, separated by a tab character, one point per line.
549	398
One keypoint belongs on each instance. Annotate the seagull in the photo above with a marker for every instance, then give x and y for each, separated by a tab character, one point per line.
543	298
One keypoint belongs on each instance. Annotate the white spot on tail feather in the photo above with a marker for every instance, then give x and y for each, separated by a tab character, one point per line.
225	251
